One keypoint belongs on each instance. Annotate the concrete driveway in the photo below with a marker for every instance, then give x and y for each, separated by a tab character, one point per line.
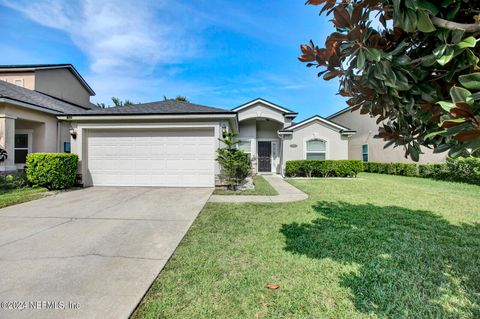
90	253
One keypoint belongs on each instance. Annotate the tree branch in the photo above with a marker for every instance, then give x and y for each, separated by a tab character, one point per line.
468	27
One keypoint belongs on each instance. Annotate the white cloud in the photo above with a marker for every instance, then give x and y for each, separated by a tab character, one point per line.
117	36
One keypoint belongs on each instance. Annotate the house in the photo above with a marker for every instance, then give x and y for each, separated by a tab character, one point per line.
46	108
363	145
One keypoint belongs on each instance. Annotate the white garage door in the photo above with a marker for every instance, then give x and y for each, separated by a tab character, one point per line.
173	158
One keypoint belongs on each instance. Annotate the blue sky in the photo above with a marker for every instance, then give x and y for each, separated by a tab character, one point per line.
216	52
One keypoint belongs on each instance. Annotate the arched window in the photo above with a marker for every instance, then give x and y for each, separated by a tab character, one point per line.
316	150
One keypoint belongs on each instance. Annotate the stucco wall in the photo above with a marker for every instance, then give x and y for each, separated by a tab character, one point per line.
294	146
268	129
367	128
28	78
63	84
44	125
260	110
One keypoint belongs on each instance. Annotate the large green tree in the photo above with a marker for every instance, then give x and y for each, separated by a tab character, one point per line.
411	63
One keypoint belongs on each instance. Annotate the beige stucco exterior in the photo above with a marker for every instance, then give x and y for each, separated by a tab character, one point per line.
261	121
294	145
46	133
367	128
62	84
23	79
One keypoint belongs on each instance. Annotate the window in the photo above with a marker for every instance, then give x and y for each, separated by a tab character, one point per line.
365	152
18	82
245	146
21	148
316	150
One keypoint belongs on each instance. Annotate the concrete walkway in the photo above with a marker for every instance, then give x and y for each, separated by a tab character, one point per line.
286	193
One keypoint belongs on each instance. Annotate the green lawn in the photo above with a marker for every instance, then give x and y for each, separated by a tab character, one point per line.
378	246
10	197
262	187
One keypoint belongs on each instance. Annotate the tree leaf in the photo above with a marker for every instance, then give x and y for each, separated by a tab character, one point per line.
447	106
467	135
447	57
427	5
360	59
469	42
272	286
342	17
424	23
459	94
470	81
373	54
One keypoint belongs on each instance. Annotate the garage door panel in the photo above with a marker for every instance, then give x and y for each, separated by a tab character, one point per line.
152	158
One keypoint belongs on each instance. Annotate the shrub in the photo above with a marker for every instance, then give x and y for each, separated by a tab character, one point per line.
15	180
465	170
323	168
235	163
52	170
409	169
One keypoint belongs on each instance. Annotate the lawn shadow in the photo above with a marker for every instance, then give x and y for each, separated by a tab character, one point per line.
411	263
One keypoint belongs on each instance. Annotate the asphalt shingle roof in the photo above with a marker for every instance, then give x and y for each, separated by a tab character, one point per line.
160	107
20	94
17	93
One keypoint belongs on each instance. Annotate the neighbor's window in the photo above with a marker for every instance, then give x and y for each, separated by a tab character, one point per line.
18	82
21	148
245	146
316	150
365	152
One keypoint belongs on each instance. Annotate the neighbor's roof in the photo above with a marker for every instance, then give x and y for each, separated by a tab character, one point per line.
33	67
172	107
348	108
341	128
36	99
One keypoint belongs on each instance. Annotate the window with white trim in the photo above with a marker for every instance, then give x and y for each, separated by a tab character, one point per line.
365	152
245	146
316	150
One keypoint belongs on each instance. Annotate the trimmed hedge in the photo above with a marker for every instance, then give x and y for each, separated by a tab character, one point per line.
404	169
464	170
323	168
52	170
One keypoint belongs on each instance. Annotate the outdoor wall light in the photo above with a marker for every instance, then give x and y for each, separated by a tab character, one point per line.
73	133
224	128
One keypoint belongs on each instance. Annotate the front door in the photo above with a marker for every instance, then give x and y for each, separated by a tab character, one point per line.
264	156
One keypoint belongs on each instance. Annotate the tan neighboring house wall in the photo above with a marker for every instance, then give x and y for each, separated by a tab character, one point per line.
367	128
23	79
61	83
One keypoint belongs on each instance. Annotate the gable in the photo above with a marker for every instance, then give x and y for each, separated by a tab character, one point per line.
260	108
320	121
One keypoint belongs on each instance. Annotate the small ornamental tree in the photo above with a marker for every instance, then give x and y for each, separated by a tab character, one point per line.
413	64
235	163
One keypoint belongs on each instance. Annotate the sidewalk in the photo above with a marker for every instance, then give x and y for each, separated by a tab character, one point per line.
286	193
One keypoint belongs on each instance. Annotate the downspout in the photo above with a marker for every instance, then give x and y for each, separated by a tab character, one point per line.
281	154
58	136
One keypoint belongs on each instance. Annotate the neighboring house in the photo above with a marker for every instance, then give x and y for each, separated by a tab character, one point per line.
46	108
364	146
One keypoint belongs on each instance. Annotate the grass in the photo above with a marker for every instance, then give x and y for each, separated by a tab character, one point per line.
378	246
262	187
10	197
